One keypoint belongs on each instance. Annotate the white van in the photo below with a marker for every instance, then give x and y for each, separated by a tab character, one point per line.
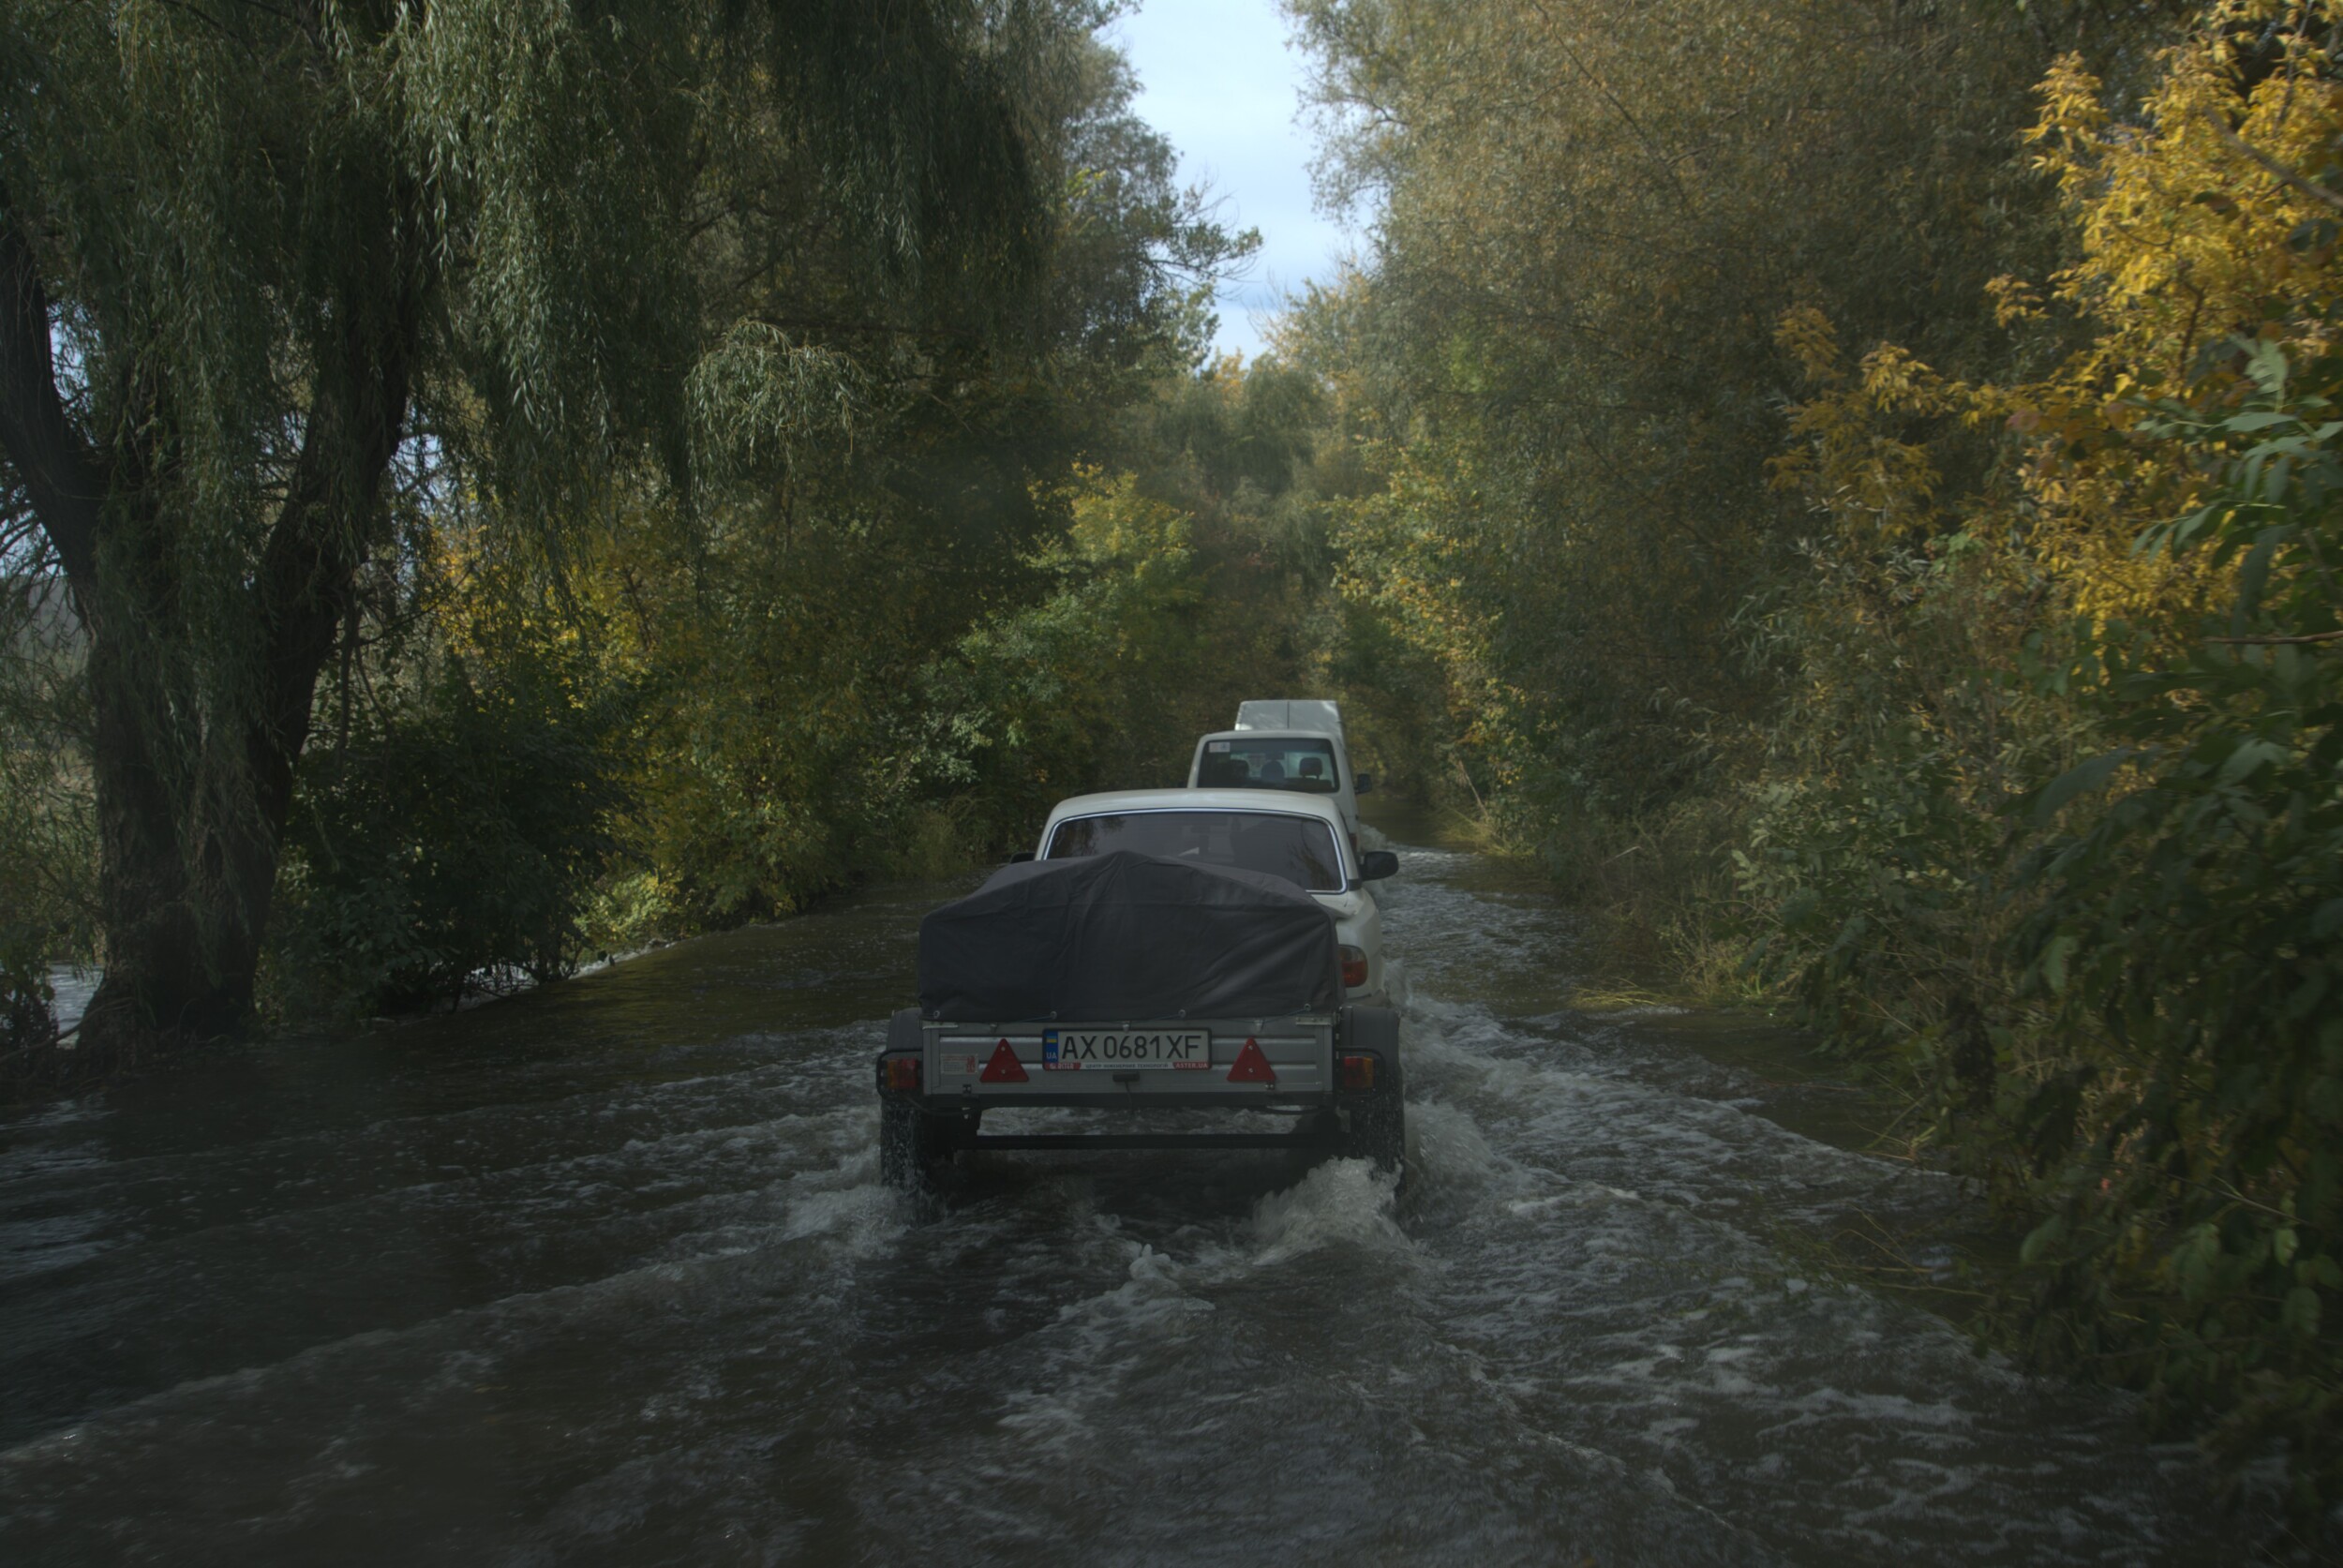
1316	714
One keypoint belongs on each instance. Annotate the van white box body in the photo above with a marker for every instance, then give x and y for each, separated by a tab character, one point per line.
1306	713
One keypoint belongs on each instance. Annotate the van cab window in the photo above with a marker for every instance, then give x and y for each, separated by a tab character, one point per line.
1294	763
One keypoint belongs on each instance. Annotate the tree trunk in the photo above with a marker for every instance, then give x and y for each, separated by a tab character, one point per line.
194	763
190	844
164	967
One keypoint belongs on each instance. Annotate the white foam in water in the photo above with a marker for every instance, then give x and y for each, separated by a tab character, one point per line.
1095	1344
1342	1203
865	1218
847	1202
1445	1145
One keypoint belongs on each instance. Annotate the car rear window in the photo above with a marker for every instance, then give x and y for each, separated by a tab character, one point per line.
1298	848
1292	763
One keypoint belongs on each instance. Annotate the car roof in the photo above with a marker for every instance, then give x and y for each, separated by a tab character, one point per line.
1290	802
1272	735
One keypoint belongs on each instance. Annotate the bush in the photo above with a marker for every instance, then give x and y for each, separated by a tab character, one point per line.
452	846
47	818
2192	927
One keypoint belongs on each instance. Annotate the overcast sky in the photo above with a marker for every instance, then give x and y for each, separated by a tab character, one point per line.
1216	78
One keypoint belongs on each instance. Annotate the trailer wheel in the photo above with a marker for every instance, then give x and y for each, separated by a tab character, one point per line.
911	1145
1379	1127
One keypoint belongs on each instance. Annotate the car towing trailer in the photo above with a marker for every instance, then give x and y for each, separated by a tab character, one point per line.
1338	1074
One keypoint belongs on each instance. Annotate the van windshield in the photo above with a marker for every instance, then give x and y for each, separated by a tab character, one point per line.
1295	762
1301	849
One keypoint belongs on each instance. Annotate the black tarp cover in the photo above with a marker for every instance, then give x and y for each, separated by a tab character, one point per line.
1127	937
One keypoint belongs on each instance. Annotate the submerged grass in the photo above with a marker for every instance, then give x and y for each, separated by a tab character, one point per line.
1669	924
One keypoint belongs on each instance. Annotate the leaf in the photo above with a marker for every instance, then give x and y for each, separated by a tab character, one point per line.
2054	956
2193	1258
2312	236
2042	1238
2082	780
2254	575
2265	362
2250	756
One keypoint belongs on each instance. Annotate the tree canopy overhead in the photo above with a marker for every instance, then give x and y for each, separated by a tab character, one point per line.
252	257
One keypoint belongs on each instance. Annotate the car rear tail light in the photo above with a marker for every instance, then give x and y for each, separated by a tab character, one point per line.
1358	1072
902	1072
1353	966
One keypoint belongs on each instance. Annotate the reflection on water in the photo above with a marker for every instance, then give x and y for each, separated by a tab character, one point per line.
71	989
603	1274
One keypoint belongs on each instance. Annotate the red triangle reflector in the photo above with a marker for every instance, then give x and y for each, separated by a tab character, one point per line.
1252	1066
1004	1068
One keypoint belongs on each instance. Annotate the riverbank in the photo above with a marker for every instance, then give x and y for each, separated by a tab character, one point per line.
1964	1261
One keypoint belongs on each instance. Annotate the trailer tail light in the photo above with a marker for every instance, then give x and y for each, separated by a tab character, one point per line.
1353	966
1358	1072
903	1074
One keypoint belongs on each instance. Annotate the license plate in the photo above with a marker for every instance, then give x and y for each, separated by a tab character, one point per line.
1074	1050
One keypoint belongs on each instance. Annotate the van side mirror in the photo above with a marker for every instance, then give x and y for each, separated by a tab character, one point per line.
1376	864
1019	858
1361	783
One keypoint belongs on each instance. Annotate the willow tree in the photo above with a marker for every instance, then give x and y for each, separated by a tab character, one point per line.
257	263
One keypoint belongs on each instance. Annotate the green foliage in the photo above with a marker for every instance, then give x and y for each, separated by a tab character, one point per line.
29	1018
1562	364
756	339
2049	820
1873	858
1083	687
2193	925
265	267
2002	816
854	645
451	843
47	832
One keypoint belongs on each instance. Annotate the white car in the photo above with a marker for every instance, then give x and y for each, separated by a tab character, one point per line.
1205	825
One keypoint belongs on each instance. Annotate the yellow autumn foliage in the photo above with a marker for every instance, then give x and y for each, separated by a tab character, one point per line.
2196	225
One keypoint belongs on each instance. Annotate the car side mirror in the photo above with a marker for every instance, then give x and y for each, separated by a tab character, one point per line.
1361	783
1376	864
1019	858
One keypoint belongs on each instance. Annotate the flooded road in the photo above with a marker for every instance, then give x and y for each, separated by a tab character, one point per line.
604	1275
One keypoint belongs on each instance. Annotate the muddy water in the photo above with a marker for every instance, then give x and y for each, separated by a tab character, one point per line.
603	1275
